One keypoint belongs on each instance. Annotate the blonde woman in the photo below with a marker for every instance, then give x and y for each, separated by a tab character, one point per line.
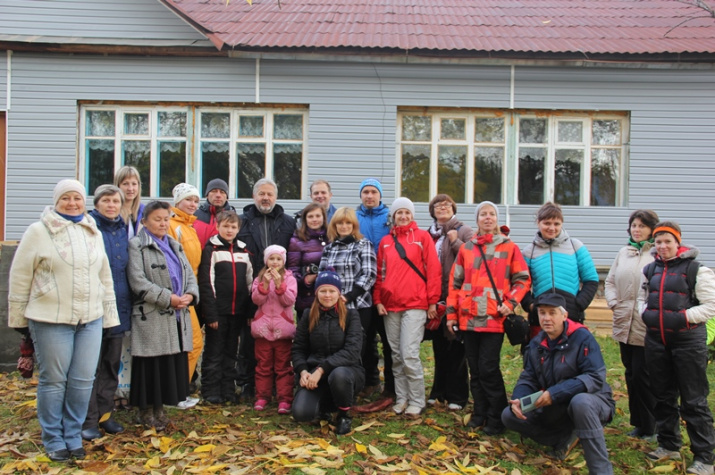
128	180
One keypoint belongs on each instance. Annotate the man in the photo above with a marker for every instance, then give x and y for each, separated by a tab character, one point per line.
216	201
263	223
373	217
565	362
321	193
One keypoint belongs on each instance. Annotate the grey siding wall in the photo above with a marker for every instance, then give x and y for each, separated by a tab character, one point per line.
352	126
126	20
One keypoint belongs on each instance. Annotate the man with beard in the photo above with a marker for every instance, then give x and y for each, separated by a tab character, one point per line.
263	224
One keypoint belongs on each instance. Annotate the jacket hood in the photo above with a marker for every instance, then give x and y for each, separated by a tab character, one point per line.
252	211
56	223
569	328
558	240
685	251
206	206
498	239
182	216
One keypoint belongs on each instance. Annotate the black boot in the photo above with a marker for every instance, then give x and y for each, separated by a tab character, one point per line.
343	423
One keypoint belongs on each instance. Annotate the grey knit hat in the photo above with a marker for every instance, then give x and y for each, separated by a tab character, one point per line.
402	203
485	203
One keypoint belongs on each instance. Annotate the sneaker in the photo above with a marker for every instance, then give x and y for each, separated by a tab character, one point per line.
454	407
414	411
400	407
638	433
431	402
213	400
343	425
188	403
560	452
662	453
700	468
260	405
283	408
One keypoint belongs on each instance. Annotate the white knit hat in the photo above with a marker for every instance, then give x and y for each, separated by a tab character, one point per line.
274	249
183	191
483	204
402	203
67	185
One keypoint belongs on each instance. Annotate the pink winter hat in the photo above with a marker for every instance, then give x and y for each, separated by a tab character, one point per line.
274	249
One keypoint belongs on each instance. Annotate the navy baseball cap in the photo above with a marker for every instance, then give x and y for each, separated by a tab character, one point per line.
551	299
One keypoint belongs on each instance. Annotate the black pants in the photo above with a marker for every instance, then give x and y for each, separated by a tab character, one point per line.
246	369
678	369
218	366
369	354
337	391
450	369
483	351
105	381
377	327
641	402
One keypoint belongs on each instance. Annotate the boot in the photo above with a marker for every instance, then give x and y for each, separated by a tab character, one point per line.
160	418
146	417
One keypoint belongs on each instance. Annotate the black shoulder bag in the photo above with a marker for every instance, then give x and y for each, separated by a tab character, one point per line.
401	251
515	326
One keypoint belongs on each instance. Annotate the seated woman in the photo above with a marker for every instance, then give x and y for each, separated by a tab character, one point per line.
164	285
326	356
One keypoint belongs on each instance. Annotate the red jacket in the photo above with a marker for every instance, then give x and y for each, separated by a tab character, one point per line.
398	287
471	301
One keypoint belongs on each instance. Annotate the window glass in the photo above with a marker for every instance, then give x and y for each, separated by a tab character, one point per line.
415	172
489	130
567	177
215	125
531	175
416	128
100	163
214	163
287	159
488	169
136	124
453	129
137	154
172	124
288	127
251	158
451	169
604	176
570	132
251	126
606	132
532	131
100	124
172	166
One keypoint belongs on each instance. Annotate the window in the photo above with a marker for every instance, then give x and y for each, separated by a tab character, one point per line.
513	157
238	145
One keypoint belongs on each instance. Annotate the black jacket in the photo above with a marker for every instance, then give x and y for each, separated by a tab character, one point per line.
260	230
225	278
328	346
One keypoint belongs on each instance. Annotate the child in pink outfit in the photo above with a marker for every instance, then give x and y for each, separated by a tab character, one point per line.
273	327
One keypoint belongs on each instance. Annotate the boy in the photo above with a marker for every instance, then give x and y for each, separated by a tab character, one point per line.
225	277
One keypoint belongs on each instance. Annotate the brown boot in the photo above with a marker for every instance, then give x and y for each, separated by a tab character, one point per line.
146	417
160	419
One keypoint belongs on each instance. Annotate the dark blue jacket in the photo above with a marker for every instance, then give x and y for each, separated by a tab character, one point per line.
258	231
116	245
573	365
374	223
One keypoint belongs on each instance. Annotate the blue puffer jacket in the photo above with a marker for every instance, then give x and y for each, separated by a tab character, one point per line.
116	243
573	365
374	223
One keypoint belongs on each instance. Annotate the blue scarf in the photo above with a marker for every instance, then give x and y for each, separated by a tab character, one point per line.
173	265
74	219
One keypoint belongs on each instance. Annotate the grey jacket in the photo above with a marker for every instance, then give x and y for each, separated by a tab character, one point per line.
153	320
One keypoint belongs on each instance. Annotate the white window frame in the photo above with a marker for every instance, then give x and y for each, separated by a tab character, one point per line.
510	166
193	139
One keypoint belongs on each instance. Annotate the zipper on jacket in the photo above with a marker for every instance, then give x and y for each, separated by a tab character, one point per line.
660	301
233	269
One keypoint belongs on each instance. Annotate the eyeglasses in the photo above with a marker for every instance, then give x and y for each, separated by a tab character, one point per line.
443	206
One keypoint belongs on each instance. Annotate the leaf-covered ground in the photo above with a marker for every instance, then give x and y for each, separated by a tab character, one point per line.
236	440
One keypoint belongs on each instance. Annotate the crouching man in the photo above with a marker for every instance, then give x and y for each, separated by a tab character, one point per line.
565	362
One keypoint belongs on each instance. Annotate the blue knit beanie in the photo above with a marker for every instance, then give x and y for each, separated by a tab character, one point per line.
328	277
371	182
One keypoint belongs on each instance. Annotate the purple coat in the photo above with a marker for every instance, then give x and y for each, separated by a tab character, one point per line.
302	254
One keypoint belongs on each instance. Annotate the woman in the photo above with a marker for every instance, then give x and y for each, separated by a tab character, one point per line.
186	202
304	253
326	356
488	280
450	366
61	287
559	264
352	257
108	200
162	280
128	180
678	302
406	294
622	289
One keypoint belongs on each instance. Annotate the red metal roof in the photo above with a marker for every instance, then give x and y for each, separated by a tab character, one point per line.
521	26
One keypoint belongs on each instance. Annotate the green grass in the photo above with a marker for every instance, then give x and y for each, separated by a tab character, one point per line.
236	439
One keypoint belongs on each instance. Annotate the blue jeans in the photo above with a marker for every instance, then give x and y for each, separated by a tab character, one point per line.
67	357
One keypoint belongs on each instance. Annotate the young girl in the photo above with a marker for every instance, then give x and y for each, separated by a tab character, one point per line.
274	292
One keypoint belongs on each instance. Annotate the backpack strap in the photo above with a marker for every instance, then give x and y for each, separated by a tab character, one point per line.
691	274
401	251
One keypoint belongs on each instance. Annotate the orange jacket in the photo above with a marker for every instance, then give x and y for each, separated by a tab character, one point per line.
471	301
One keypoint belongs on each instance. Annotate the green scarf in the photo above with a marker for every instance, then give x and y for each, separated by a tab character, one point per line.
639	245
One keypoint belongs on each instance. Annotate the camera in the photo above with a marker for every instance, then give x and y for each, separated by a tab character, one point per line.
311	269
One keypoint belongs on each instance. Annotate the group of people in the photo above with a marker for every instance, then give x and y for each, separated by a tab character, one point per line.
294	311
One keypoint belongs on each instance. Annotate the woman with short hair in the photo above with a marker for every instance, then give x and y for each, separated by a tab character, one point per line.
61	287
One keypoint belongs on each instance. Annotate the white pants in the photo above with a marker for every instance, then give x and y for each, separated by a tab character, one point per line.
404	333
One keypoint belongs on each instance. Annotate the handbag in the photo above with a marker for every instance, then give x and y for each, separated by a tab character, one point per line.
403	255
515	326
